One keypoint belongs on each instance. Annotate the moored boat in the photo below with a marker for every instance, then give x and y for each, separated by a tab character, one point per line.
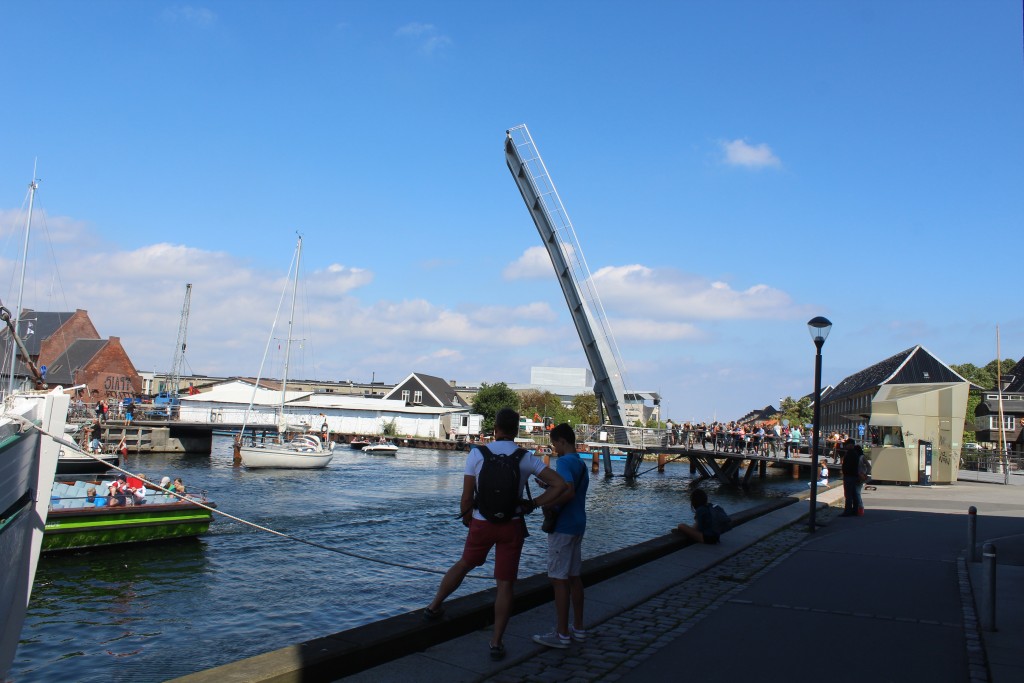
28	460
78	520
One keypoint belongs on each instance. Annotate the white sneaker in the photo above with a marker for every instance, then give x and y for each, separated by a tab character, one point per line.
576	634
553	639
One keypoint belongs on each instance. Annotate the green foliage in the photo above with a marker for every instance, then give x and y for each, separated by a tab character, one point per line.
543	404
798	412
491	398
390	428
584	410
984	377
654	423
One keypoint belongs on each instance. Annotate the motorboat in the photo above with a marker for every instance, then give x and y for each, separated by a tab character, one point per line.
381	448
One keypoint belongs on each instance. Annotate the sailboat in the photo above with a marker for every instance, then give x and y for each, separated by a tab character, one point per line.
31	421
304	450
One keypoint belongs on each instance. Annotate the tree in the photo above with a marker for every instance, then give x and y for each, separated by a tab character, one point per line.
986	378
543	403
491	398
584	410
798	412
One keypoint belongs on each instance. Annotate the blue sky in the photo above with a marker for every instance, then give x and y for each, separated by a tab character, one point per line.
732	169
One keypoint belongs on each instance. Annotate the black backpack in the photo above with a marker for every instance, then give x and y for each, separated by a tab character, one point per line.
497	485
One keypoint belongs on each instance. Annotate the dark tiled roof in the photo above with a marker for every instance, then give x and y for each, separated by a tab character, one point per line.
870	377
1017	384
76	357
916	365
442	390
35	326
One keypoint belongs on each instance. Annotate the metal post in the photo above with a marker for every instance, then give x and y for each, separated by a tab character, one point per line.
989	572
972	534
818	342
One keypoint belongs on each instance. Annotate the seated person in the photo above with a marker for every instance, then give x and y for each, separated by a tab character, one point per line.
702	530
117	497
178	486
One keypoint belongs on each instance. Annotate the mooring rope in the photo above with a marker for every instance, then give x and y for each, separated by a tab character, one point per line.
681	455
70	444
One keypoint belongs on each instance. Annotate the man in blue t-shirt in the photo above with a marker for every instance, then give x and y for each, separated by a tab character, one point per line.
565	541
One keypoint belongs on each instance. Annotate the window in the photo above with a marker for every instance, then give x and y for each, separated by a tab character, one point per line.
405	395
1009	422
417	398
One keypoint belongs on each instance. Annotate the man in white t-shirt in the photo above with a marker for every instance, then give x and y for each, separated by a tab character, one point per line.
506	537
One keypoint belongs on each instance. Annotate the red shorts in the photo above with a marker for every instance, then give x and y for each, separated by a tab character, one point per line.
509	541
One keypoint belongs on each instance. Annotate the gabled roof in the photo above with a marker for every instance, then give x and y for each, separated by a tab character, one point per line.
439	389
35	326
77	356
915	365
1017	383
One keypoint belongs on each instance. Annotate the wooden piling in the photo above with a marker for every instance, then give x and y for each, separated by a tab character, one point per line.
595	463
661	462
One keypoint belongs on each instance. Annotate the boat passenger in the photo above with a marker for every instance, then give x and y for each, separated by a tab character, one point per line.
117	497
179	486
90	495
165	482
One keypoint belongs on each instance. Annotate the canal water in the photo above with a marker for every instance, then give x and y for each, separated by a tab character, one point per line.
155	611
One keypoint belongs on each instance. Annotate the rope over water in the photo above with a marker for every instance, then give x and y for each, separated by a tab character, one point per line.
73	446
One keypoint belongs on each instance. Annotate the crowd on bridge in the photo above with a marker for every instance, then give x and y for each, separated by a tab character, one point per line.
767	439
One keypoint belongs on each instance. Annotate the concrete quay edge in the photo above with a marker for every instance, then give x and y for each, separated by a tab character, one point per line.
390	645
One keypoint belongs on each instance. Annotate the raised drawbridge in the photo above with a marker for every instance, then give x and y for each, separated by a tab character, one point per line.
559	238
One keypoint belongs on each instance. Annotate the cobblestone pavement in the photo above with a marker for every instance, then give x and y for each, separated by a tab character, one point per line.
624	641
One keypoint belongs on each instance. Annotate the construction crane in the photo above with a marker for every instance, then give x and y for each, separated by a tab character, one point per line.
559	237
179	348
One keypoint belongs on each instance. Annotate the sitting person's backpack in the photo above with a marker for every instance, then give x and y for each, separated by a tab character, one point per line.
720	520
497	485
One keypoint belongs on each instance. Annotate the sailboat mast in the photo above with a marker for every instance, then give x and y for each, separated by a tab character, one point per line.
21	287
291	320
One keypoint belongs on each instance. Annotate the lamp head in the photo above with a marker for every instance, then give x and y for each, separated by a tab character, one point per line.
819	328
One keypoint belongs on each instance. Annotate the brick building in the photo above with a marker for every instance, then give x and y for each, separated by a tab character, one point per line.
71	349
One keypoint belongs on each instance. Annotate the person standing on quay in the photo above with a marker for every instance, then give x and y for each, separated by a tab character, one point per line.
506	537
852	482
565	541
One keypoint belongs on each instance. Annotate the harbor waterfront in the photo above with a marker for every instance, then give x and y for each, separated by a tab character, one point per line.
156	611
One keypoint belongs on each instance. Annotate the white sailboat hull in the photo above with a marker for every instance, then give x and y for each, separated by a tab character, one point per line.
28	461
255	457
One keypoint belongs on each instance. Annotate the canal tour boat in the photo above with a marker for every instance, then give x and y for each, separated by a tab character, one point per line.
304	450
78	520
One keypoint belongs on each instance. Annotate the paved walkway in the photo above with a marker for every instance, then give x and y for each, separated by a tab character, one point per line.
886	596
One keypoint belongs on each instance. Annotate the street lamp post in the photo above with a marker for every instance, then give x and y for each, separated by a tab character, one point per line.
819	328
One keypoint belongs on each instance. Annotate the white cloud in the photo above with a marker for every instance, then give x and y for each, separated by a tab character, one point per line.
427	36
648	329
740	153
58	229
532	264
197	16
669	294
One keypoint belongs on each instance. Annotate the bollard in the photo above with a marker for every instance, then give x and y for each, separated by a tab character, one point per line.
972	534
988	569
595	463
661	462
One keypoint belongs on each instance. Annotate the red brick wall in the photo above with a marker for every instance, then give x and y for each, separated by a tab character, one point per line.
110	374
78	326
